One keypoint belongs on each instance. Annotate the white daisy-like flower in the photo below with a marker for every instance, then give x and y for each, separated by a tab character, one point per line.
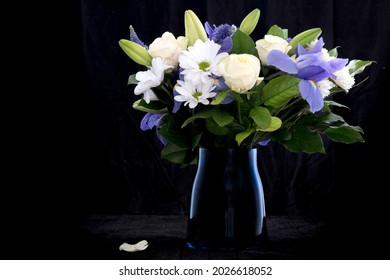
192	94
325	86
150	79
200	61
344	79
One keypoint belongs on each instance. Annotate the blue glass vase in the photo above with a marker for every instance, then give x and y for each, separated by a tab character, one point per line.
227	203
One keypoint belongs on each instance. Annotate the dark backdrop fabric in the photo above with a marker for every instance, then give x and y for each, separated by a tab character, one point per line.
94	159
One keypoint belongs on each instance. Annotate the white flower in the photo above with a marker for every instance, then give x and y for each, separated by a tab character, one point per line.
240	71
168	48
270	43
344	79
325	86
201	61
192	94
150	79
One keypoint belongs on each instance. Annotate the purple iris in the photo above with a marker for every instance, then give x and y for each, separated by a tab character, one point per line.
151	120
220	84
176	104
264	142
222	35
311	68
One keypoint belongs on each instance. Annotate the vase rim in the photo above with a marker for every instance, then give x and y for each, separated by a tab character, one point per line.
224	149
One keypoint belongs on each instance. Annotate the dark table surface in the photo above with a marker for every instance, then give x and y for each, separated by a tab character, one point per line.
288	238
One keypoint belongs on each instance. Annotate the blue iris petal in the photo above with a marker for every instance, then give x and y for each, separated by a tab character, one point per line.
176	104
264	142
282	61
312	95
151	120
315	73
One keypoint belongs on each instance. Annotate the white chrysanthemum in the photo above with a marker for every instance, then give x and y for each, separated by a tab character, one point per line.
150	79
344	79
192	94
325	86
200	61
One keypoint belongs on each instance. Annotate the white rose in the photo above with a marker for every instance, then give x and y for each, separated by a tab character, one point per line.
240	71
168	48
270	43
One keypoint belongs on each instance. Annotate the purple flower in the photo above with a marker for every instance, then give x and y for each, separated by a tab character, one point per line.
264	142
134	37
310	67
221	35
150	121
220	84
176	104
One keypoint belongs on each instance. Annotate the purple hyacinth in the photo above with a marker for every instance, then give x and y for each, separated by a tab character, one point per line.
311	68
134	37
221	35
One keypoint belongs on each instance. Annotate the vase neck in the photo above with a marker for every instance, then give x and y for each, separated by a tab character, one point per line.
239	157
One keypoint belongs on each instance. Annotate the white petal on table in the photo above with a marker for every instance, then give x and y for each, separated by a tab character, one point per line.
140	246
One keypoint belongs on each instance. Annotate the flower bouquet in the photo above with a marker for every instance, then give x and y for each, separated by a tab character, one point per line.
216	87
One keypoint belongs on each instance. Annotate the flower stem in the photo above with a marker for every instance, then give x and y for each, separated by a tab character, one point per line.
239	113
167	92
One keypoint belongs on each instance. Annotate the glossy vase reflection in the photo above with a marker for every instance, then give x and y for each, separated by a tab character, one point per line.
227	203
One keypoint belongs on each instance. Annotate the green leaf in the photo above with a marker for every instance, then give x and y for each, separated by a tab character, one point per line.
304	140
333	103
280	90
330	118
132	80
174	137
357	66
345	134
275	124
220	97
249	23
200	115
304	38
242	43
154	107
261	116
280	135
195	140
174	153
243	135
277	31
215	128
222	118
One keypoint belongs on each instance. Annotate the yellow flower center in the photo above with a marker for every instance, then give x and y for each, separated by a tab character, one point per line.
243	59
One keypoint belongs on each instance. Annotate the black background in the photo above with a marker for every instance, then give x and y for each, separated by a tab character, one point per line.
76	147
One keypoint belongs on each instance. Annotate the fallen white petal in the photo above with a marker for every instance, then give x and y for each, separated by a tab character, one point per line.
140	246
